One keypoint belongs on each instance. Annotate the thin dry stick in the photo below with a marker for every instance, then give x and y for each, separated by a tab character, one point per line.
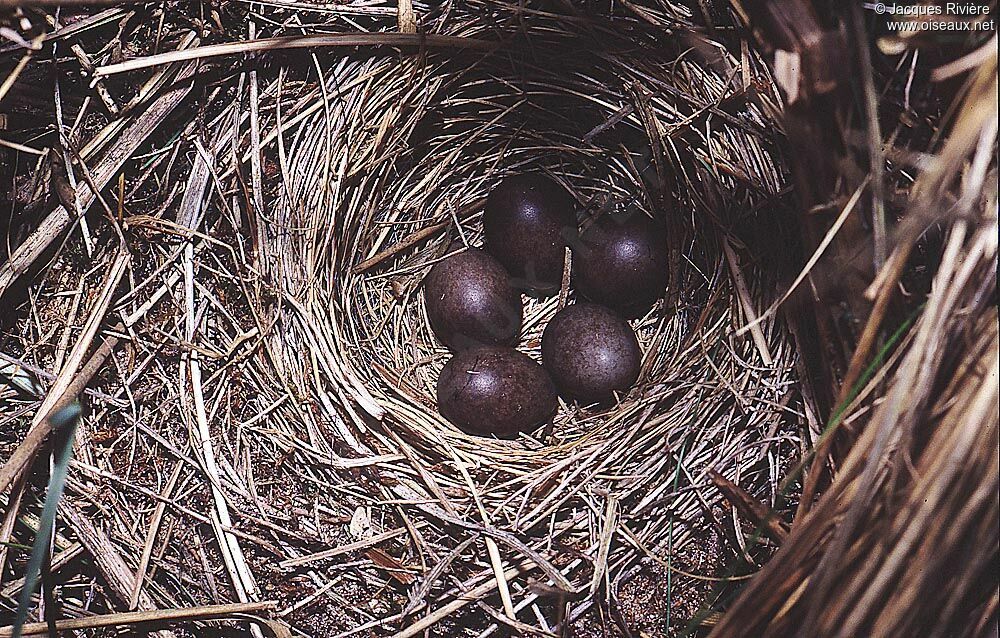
154	526
297	42
496	561
15	73
399	247
755	511
344	549
876	163
7	527
256	174
747	302
604	544
232	553
22	148
566	276
823	245
405	17
128	619
501	578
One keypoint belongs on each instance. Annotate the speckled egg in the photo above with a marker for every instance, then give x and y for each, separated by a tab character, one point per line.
495	391
622	262
528	222
590	352
470	301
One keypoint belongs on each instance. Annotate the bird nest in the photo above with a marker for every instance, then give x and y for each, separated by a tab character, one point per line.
221	218
269	371
385	173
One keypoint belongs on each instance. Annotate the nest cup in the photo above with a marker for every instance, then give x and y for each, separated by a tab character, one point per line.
395	160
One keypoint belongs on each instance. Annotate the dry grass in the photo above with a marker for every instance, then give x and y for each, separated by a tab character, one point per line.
904	541
243	302
390	148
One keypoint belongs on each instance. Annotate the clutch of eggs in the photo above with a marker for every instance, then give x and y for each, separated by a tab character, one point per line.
589	351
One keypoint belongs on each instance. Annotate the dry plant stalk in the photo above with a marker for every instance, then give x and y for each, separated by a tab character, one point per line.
904	541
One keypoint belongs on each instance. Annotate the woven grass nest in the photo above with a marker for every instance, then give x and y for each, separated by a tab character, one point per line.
810	447
496	116
400	147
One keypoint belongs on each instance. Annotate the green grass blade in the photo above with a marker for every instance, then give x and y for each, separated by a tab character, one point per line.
63	428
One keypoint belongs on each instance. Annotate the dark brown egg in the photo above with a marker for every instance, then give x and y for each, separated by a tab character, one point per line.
496	391
621	262
528	222
589	351
470	301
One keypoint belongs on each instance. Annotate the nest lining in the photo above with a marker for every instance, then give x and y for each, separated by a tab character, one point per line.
397	146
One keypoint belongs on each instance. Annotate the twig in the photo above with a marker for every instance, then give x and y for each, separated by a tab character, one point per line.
343	549
566	277
405	17
399	247
9	520
232	553
297	42
154	526
616	118
752	509
876	161
255	214
813	260
14	74
967	62
604	544
22	148
743	291
158	616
